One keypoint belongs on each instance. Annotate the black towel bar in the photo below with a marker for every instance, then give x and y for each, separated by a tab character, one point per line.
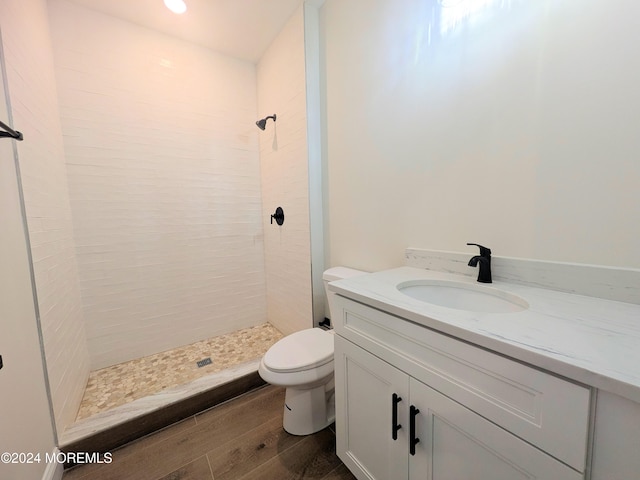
10	132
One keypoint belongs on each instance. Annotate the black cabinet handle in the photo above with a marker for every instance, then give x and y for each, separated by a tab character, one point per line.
413	441
395	400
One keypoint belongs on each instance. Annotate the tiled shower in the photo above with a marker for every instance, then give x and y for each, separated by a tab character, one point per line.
148	205
111	387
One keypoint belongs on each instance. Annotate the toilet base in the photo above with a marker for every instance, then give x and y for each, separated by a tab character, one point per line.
308	411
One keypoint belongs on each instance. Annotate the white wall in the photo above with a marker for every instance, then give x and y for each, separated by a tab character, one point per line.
516	129
31	81
25	421
285	183
162	158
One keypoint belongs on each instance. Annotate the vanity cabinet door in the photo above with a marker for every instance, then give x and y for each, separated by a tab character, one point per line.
370	395
456	443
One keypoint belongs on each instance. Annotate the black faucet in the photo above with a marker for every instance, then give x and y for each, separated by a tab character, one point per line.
484	272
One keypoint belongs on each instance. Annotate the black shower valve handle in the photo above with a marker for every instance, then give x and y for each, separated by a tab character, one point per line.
278	216
484	251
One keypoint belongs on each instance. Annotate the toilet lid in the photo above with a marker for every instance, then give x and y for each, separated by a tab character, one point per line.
302	350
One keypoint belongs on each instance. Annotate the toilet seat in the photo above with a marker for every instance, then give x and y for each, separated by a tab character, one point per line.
303	350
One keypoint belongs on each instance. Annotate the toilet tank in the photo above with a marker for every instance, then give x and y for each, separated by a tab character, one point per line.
337	273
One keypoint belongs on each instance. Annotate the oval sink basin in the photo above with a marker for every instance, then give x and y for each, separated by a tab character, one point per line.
463	296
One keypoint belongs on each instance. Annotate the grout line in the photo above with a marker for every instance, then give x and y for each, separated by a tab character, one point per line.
275	458
153	443
248	433
239	397
340	465
209	463
164	475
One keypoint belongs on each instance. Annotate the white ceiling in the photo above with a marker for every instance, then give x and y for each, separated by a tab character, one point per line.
240	28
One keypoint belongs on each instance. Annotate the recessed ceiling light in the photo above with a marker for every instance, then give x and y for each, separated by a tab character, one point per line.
176	6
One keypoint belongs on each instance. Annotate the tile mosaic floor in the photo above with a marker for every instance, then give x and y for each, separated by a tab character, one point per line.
119	384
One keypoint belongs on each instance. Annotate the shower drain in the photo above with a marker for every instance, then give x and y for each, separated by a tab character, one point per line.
206	361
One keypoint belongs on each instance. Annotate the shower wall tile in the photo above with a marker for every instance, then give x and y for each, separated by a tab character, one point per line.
285	182
164	182
32	89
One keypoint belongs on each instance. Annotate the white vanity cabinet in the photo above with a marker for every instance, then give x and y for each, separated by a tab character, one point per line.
364	414
475	414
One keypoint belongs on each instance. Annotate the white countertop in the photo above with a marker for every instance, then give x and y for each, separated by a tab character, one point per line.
587	339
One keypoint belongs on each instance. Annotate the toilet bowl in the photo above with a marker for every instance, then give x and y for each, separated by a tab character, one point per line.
303	363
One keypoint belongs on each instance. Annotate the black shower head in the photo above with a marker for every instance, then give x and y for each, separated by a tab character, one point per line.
263	123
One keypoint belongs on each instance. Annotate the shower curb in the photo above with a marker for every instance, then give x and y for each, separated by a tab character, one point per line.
133	429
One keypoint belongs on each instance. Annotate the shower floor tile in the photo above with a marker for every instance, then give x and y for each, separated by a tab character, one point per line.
117	385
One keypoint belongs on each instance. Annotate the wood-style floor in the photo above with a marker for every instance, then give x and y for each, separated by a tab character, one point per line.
240	439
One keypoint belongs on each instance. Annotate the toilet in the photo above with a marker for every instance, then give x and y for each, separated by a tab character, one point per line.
303	363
